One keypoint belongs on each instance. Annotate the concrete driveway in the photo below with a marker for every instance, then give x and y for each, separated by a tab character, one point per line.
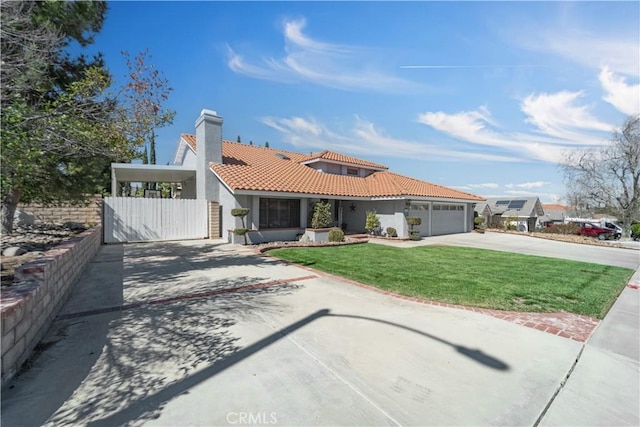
202	333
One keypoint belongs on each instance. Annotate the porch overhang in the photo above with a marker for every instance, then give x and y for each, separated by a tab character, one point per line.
132	172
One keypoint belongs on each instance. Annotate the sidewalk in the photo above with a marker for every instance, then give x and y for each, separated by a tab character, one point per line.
604	387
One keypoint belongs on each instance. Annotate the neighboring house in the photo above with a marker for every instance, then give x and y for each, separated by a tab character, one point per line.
483	210
524	212
280	188
553	214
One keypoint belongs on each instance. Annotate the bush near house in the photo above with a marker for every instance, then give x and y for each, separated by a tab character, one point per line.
511	223
635	231
241	213
372	222
322	216
336	235
478	222
413	221
391	232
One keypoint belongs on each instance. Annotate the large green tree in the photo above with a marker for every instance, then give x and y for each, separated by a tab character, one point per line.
608	179
59	126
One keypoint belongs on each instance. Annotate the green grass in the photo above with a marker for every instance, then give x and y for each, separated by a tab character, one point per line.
473	277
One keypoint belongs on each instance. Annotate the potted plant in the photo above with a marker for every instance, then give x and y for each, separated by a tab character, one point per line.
320	220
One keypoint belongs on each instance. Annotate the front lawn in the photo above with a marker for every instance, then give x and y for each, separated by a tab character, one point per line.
472	277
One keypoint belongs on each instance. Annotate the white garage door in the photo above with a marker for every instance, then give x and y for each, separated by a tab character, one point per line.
447	219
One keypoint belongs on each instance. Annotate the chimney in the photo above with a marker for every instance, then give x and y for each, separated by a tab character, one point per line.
208	150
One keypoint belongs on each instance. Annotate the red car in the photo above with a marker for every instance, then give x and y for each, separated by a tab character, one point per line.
595	230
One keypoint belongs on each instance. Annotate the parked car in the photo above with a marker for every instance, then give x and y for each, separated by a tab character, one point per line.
596	230
613	226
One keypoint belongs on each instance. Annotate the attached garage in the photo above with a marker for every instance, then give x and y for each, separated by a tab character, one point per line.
447	219
444	218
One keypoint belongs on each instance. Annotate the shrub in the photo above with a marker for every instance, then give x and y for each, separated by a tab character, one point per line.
336	235
635	231
478	222
391	232
413	221
322	216
570	228
372	222
511	223
240	212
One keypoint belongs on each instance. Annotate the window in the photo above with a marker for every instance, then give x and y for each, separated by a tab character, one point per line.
448	207
351	171
419	207
279	213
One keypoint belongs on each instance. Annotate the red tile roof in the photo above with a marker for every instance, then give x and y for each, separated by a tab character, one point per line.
190	140
253	168
554	207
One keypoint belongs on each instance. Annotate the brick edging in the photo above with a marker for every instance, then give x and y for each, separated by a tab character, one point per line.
41	287
262	250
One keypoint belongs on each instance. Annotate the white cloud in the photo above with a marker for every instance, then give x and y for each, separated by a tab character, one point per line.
475	127
324	64
619	51
533	184
624	97
364	138
484	185
559	124
557	115
621	55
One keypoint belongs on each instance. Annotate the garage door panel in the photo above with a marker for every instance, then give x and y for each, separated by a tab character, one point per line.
447	222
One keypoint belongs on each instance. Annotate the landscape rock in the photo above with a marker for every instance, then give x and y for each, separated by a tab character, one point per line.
21	218
13	251
70	225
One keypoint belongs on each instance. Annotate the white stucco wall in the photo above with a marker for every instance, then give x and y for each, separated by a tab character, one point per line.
189	159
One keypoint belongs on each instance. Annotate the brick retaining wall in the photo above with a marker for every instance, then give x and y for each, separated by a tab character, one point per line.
41	287
91	213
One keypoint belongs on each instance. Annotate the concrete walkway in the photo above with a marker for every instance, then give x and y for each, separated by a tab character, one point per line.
604	387
204	333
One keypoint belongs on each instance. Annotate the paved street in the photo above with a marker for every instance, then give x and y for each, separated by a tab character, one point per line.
205	333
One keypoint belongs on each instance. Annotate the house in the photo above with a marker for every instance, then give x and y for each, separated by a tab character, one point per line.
553	214
280	187
524	212
483	210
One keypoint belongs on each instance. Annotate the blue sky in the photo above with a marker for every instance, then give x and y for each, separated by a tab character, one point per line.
481	96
